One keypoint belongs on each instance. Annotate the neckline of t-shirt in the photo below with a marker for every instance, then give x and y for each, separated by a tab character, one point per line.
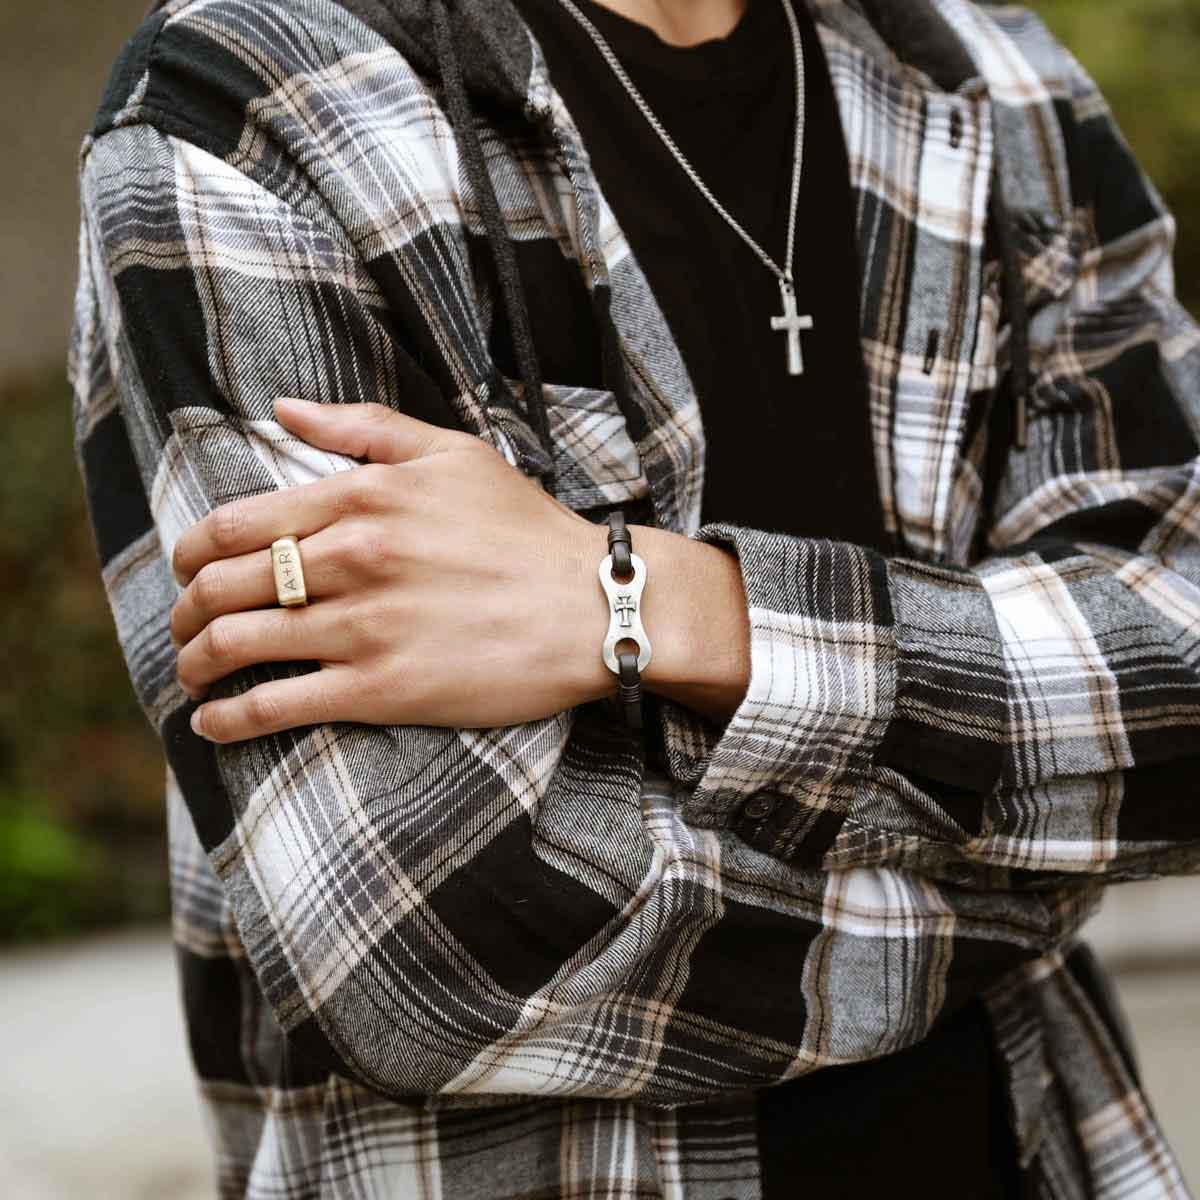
737	59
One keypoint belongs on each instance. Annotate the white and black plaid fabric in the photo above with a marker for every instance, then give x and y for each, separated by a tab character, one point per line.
506	963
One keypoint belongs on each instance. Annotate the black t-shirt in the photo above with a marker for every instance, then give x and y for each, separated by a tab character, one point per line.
788	453
784	452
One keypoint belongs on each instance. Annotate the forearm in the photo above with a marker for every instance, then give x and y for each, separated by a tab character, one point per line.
885	721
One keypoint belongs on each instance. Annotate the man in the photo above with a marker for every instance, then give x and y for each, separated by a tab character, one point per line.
862	316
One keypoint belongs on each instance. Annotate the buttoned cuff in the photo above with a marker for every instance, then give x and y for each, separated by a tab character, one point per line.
782	772
951	710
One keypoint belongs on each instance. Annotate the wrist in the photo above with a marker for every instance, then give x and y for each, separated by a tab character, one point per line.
695	614
693	610
582	657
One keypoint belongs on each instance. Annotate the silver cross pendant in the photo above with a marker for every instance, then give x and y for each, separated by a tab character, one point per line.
791	323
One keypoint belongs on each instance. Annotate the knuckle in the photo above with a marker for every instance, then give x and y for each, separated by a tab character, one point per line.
227	524
263	710
186	676
220	642
356	495
190	678
323	707
373	411
175	622
343	553
346	501
373	483
218	724
362	548
208	588
332	572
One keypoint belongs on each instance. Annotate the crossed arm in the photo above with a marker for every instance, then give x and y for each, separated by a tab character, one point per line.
504	909
423	618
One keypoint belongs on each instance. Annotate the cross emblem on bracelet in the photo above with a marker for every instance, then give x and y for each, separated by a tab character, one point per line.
625	606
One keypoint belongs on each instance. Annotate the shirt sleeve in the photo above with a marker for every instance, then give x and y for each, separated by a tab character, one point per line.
490	912
1037	712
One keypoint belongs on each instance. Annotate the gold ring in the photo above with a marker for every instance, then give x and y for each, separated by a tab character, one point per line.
289	572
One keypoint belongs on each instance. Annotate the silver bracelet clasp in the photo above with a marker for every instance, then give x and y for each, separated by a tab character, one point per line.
625	613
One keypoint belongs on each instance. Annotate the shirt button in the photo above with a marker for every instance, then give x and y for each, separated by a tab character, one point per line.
956	128
761	805
959	873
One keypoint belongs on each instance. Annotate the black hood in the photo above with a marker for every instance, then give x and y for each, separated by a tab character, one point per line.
491	40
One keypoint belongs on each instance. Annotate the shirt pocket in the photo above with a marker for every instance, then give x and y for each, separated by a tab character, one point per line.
1050	253
1050	249
596	462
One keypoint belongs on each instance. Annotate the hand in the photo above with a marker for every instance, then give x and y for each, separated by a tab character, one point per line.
446	588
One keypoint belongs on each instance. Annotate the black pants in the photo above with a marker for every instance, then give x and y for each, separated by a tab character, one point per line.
931	1121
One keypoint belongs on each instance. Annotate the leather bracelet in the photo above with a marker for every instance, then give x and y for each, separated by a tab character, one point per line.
622	578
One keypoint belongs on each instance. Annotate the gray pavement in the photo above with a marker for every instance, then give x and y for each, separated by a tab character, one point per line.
1164	1010
99	1102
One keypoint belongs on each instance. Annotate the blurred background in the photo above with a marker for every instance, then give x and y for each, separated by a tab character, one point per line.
97	1098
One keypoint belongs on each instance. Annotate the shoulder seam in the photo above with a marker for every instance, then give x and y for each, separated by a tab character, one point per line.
131	65
172	123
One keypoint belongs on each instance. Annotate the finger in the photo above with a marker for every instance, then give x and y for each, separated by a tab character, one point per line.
243	526
312	699
247	582
370	431
241	639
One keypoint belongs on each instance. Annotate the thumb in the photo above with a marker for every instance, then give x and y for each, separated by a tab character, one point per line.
371	431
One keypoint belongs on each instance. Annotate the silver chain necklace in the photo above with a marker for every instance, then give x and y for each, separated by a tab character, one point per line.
790	322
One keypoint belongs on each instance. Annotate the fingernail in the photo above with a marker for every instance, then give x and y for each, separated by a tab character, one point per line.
195	723
293	400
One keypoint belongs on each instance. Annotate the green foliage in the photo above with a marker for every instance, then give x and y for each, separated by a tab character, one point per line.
81	774
56	880
1145	56
50	877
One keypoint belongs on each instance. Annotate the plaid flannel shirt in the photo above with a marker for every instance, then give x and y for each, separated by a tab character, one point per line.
511	962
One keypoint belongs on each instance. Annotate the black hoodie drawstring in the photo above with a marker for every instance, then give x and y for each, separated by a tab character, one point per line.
503	255
1014	298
